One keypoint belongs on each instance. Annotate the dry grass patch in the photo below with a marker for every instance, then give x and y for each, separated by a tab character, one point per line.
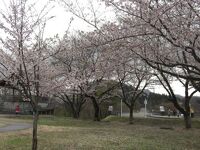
114	135
46	128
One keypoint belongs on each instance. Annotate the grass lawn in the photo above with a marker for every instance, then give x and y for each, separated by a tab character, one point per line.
113	133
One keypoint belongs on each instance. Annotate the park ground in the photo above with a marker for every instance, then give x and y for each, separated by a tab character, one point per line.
113	133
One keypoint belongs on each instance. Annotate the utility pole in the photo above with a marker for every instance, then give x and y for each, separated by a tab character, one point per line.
147	92
145	109
121	108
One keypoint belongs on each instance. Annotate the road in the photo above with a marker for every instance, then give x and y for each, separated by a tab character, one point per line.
15	127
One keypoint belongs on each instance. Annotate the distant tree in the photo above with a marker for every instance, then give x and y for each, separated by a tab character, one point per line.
65	57
74	100
102	92
156	99
82	65
133	78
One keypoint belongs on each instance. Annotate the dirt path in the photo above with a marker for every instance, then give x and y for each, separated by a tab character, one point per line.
15	127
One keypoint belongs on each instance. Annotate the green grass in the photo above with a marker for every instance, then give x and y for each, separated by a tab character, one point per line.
112	133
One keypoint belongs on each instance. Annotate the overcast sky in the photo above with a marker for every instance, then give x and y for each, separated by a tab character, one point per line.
60	23
178	89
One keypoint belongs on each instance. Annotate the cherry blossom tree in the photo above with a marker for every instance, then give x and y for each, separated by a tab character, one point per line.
164	34
86	67
132	74
133	78
24	62
165	80
73	99
171	24
167	35
67	80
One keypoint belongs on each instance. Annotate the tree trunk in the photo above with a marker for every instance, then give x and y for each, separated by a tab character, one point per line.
96	110
78	114
97	114
131	115
188	122
75	114
34	138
